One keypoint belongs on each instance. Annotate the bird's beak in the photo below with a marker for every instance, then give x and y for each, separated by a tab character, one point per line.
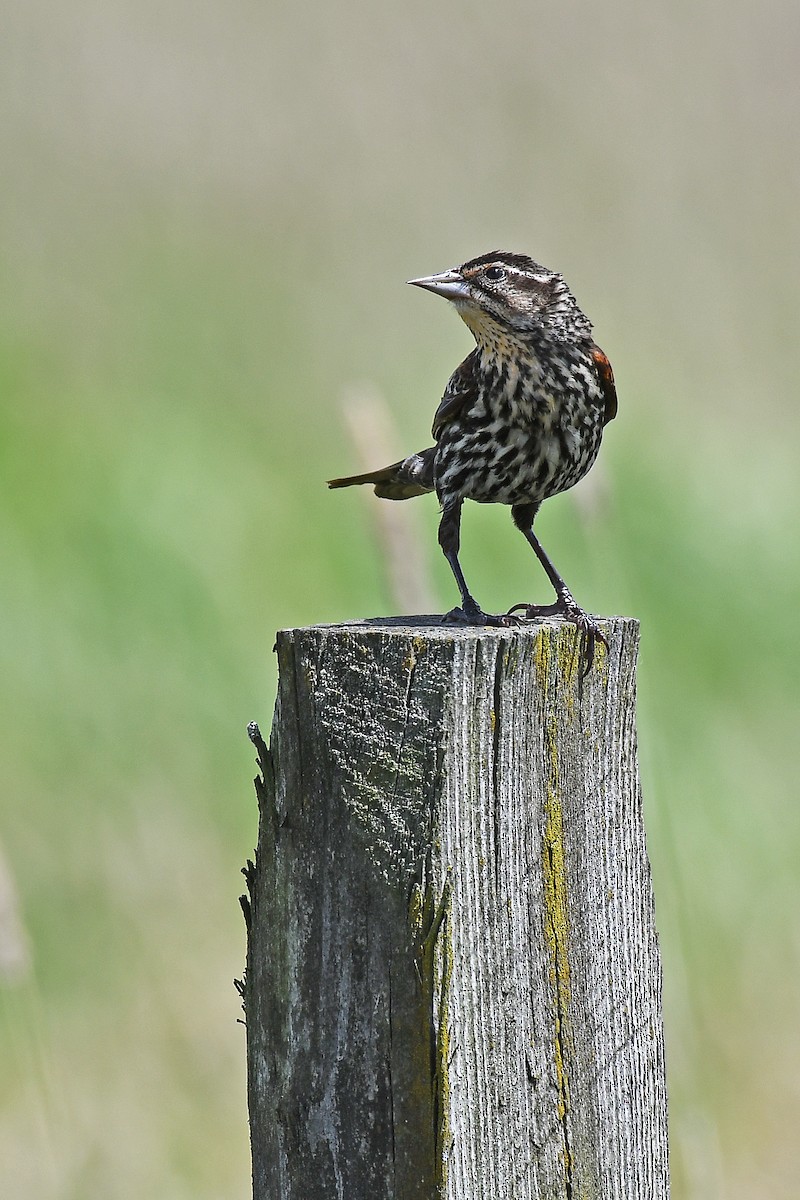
450	284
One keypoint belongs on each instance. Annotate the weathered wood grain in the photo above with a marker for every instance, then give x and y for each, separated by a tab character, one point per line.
453	981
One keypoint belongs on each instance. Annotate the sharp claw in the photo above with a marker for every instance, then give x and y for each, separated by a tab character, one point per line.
589	631
532	611
590	635
524	608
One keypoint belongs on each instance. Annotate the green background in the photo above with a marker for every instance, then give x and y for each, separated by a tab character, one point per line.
207	215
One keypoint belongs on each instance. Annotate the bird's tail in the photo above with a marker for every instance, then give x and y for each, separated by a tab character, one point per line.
410	477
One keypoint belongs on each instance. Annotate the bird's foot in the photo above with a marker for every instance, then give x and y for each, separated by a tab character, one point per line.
588	629
472	614
530	612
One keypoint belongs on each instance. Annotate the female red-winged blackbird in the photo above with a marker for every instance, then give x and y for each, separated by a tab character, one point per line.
520	420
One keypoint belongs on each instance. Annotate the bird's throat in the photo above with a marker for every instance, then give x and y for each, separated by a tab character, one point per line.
494	340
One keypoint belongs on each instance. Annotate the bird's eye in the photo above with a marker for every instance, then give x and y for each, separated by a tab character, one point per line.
495	274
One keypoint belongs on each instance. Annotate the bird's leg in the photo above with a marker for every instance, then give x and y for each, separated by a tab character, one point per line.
470	612
565	606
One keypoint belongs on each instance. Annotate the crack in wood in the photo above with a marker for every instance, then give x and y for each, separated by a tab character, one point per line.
429	921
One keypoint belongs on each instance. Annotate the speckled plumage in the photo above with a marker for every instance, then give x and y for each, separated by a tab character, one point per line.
521	418
531	429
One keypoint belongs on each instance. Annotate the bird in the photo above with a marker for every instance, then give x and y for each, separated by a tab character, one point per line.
521	419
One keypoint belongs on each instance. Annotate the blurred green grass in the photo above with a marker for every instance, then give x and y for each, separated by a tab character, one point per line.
206	231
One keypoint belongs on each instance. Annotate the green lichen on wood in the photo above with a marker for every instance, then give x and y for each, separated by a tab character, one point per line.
556	929
441	1082
558	658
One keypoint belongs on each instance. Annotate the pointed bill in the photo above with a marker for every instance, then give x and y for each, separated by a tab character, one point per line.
450	284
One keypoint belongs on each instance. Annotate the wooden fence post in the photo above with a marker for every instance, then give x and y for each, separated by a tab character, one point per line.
453	986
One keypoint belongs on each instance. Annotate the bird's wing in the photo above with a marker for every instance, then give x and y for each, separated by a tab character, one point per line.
458	395
606	377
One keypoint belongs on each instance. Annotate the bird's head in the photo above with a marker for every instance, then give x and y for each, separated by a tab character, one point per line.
501	295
